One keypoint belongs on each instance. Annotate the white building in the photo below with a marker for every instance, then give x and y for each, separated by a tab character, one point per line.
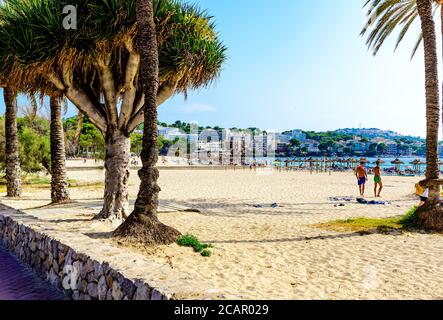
392	148
311	145
283	138
298	135
359	147
171	133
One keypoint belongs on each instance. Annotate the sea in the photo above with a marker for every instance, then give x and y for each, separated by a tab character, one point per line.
370	161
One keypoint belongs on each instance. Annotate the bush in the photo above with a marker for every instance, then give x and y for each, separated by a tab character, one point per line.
192	241
206	253
34	143
35	150
411	220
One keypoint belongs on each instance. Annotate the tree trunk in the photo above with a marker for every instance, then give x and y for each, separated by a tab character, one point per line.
143	225
115	199
431	214
59	183
13	174
78	132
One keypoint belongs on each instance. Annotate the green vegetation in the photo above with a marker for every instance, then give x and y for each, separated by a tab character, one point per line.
86	141
406	222
360	224
206	253
410	220
192	241
37	181
34	143
30	179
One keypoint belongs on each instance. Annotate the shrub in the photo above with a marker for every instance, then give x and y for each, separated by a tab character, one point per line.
206	253
410	220
192	241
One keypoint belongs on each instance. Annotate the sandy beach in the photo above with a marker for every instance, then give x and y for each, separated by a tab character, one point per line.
264	252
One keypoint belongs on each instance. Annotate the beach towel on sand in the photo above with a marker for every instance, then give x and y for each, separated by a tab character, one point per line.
336	199
272	205
373	202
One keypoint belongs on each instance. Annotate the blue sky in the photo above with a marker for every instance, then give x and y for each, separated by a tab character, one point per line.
302	64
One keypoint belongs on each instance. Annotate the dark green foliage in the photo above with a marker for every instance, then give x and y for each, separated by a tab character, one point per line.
192	241
188	241
34	143
411	220
91	138
386	16
190	51
35	150
206	253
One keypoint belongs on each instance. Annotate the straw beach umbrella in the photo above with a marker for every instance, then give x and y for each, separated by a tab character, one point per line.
417	163
397	162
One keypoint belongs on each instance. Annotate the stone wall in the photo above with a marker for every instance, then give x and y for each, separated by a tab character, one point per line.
80	277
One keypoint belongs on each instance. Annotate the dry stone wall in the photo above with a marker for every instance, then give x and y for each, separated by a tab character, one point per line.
80	277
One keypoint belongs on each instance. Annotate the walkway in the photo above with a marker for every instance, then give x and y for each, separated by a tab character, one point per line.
17	282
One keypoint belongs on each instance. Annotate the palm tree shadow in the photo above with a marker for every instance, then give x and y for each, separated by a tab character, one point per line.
99	235
298	239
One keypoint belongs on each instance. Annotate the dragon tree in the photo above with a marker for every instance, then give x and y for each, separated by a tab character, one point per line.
96	66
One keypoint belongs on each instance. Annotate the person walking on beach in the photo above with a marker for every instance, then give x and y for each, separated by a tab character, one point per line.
377	179
362	176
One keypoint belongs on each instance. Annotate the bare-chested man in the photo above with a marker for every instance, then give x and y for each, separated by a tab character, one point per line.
362	176
377	180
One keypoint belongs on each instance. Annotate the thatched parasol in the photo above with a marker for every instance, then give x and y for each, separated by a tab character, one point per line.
397	162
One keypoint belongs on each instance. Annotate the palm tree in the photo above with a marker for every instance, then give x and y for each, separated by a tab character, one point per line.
384	17
431	215
59	183
143	224
97	66
13	174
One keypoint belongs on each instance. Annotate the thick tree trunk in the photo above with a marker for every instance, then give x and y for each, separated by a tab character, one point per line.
431	214
13	178
59	183
115	199
143	225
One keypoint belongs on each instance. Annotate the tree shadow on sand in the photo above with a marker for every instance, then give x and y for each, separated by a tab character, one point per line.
297	239
108	235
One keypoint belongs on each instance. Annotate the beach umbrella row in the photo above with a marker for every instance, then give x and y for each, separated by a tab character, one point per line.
347	162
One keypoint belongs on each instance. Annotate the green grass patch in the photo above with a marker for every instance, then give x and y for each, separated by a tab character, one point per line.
85	184
360	224
410	220
406	222
32	181
192	241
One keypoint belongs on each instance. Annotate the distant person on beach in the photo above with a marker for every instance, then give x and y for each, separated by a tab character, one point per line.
423	192
377	180
362	176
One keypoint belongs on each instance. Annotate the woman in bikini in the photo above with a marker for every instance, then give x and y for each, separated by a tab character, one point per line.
377	180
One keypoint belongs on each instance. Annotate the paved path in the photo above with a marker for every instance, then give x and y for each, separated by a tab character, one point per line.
17	282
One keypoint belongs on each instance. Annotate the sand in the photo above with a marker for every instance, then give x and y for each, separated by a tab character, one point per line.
261	253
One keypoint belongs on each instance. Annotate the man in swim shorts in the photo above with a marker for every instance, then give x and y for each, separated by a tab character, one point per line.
362	176
377	180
